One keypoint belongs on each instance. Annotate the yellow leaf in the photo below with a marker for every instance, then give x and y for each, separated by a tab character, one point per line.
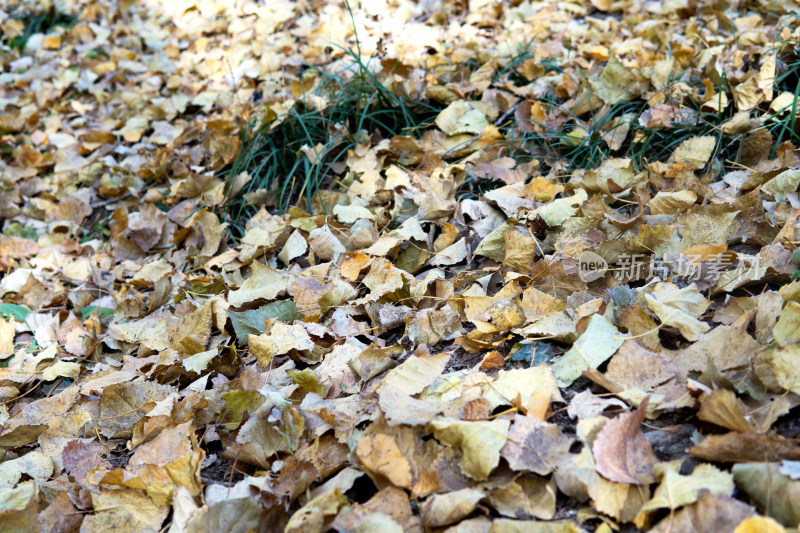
479	442
380	455
264	282
759	524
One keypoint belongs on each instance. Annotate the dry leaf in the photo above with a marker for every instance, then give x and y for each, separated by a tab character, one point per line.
535	446
380	455
479	442
745	447
622	452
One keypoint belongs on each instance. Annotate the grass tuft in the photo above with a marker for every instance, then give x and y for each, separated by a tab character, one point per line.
783	123
579	141
38	22
294	156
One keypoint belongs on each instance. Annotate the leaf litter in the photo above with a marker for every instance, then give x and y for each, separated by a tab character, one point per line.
566	300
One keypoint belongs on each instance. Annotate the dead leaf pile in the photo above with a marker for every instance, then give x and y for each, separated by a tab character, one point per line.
404	355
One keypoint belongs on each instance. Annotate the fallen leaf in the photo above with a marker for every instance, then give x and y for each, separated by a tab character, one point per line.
525	497
679	308
35	465
264	282
535	446
759	524
380	455
443	509
124	510
788	325
124	404
621	451
711	513
675	490
593	348
416	373
33	419
724	409
773	494
479	442
745	447
314	515
78	457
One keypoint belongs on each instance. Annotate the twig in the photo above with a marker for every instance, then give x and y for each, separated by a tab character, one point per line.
505	115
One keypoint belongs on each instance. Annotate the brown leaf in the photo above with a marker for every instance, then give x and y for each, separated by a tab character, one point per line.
145	226
724	409
621	451
477	409
400	408
710	514
526	497
745	447
535	446
427	483
17	247
33	420
380	455
727	347
258	439
79	457
188	334
492	360
756	147
297	476
390	502
124	404
61	516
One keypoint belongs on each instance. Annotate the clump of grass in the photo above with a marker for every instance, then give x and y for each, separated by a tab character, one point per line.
591	149
642	144
38	22
783	125
275	154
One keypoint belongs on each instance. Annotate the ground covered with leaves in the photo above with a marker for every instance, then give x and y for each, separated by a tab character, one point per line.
399	266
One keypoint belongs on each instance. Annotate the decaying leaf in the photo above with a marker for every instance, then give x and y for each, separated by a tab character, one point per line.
380	455
416	373
399	266
622	452
479	442
711	512
594	347
744	447
679	308
773	494
724	409
264	282
441	510
675	490
535	446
